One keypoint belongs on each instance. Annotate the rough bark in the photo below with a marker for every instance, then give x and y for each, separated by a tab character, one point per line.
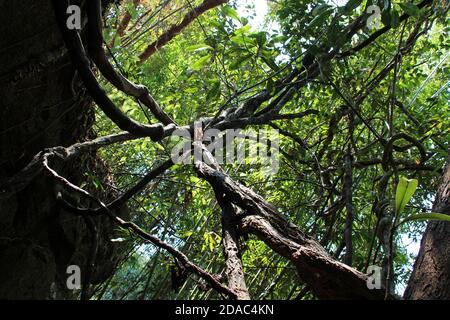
234	269
43	104
431	274
176	29
348	196
327	278
98	55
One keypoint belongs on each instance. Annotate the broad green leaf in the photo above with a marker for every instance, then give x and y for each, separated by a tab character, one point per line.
200	63
352	4
239	61
230	12
405	190
243	30
410	8
321	18
426	216
214	91
395	18
198	47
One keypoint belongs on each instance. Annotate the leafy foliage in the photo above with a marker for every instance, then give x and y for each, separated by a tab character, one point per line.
222	60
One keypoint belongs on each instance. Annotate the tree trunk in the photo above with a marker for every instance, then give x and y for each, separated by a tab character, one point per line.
431	274
43	104
234	269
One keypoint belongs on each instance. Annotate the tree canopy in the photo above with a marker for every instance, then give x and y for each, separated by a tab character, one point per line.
354	107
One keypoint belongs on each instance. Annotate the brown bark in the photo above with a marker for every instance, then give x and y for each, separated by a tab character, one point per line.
431	274
234	269
327	278
43	104
98	55
81	61
176	29
348	196
126	20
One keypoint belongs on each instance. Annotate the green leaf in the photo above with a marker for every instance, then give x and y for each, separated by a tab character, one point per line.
230	12
410	8
405	190
261	38
200	63
214	91
426	216
239	61
270	62
187	234
395	18
243	30
131	9
198	47
321	18
159	147
319	9
352	4
386	17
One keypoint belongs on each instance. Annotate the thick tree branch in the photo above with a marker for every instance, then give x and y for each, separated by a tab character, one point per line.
329	279
97	52
230	238
82	64
326	277
19	181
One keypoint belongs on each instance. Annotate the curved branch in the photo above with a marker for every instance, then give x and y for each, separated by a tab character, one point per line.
96	51
388	149
190	266
327	278
19	181
82	64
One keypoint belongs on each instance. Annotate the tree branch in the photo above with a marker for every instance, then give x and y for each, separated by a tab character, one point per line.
95	47
190	266
176	29
81	62
327	278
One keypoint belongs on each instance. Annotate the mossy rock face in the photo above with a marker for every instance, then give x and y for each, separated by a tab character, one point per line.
43	104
